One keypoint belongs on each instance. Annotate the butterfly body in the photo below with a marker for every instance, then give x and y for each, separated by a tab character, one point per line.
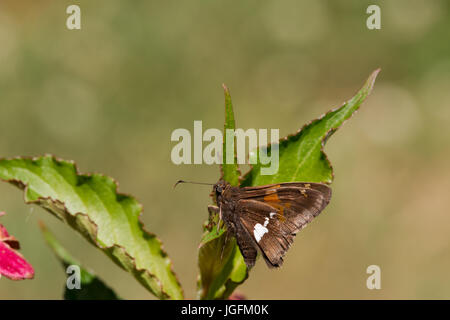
267	218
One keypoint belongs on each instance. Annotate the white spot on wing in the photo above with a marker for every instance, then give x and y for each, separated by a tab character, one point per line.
260	230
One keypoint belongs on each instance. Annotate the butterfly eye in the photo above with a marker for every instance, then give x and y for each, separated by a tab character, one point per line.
219	189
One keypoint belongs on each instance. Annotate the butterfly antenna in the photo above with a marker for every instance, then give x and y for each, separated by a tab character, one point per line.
193	182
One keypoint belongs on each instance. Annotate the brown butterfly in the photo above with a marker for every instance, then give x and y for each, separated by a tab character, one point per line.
267	218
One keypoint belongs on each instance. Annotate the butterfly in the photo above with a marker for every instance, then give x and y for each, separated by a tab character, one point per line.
267	218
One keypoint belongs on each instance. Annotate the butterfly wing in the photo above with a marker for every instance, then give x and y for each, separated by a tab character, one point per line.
273	214
246	245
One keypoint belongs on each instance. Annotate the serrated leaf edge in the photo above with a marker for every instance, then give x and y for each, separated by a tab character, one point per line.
370	81
93	238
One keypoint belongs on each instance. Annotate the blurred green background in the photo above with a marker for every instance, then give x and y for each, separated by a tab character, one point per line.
109	95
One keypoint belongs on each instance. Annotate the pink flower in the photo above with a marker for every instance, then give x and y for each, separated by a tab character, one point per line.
12	263
237	296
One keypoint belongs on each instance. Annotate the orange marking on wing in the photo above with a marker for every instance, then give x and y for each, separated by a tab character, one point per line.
272	198
280	208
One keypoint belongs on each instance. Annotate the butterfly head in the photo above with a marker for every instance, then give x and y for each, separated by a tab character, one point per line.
219	188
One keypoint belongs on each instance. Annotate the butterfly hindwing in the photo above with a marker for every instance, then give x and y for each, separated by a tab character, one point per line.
273	214
246	246
262	224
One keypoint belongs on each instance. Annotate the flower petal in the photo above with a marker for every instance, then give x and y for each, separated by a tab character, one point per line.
3	233
13	265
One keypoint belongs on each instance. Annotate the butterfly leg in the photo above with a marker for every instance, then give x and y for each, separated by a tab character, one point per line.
213	209
220	219
224	244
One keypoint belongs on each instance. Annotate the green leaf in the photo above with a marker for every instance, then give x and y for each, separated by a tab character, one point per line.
92	287
91	205
230	172
301	156
216	266
222	267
